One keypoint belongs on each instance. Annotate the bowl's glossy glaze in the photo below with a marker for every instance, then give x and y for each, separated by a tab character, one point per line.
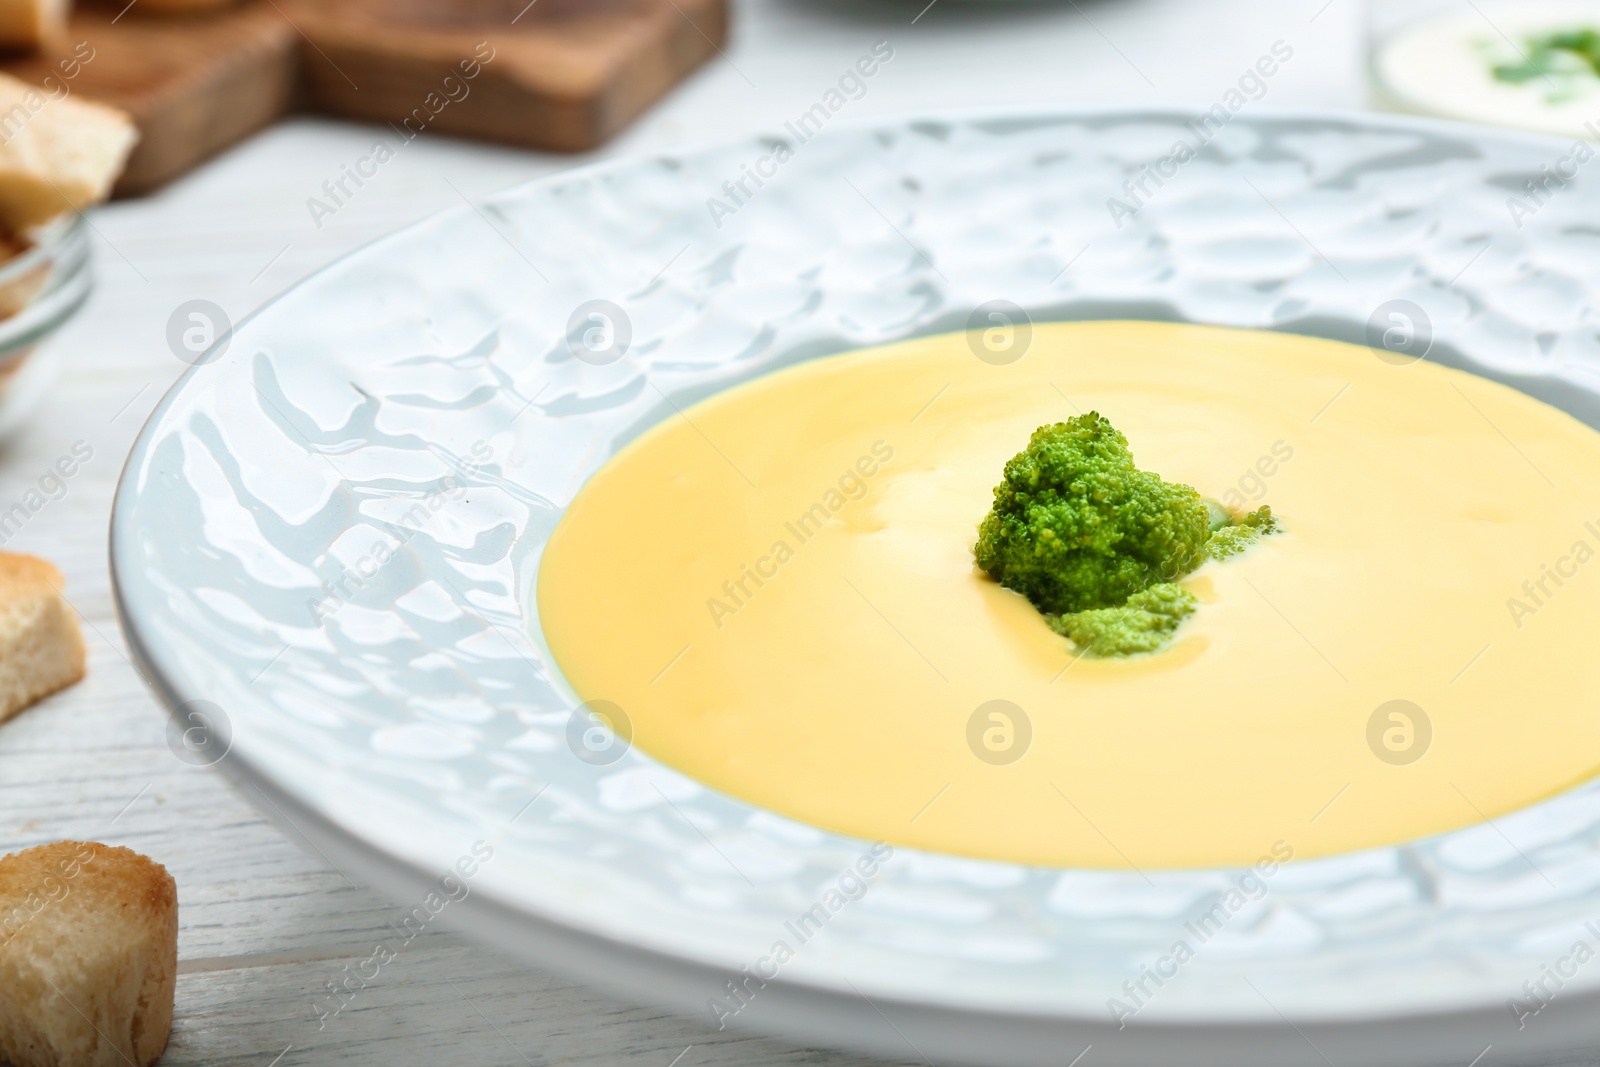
328	533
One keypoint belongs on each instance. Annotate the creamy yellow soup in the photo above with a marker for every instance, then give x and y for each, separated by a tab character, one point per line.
777	588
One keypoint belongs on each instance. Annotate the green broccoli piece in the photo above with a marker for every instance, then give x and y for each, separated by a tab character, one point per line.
1234	538
1096	544
1076	526
1220	516
1143	624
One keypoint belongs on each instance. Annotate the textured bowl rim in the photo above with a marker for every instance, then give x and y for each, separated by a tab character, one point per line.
805	1008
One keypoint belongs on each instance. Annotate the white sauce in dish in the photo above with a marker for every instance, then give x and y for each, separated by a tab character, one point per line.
1445	64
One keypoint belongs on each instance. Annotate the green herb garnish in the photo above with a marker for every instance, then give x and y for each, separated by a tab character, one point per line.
1565	55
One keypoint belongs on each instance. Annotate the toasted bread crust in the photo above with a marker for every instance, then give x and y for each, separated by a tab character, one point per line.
41	646
60	153
88	956
20	571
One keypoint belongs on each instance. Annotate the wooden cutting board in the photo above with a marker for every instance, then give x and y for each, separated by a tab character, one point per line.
555	75
193	85
565	75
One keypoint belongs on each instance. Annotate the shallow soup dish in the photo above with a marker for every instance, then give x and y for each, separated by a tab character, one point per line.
623	543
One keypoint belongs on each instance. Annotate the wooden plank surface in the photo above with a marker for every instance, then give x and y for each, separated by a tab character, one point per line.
265	923
559	75
194	85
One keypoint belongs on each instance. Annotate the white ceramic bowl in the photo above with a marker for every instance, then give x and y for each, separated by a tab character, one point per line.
325	540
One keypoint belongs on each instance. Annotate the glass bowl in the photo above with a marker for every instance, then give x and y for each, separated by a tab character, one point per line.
40	288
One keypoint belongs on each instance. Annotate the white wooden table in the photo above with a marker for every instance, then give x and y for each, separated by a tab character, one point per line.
265	921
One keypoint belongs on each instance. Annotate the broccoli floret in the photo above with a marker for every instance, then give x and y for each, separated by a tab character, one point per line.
1076	526
1243	532
1143	624
1095	543
1220	516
